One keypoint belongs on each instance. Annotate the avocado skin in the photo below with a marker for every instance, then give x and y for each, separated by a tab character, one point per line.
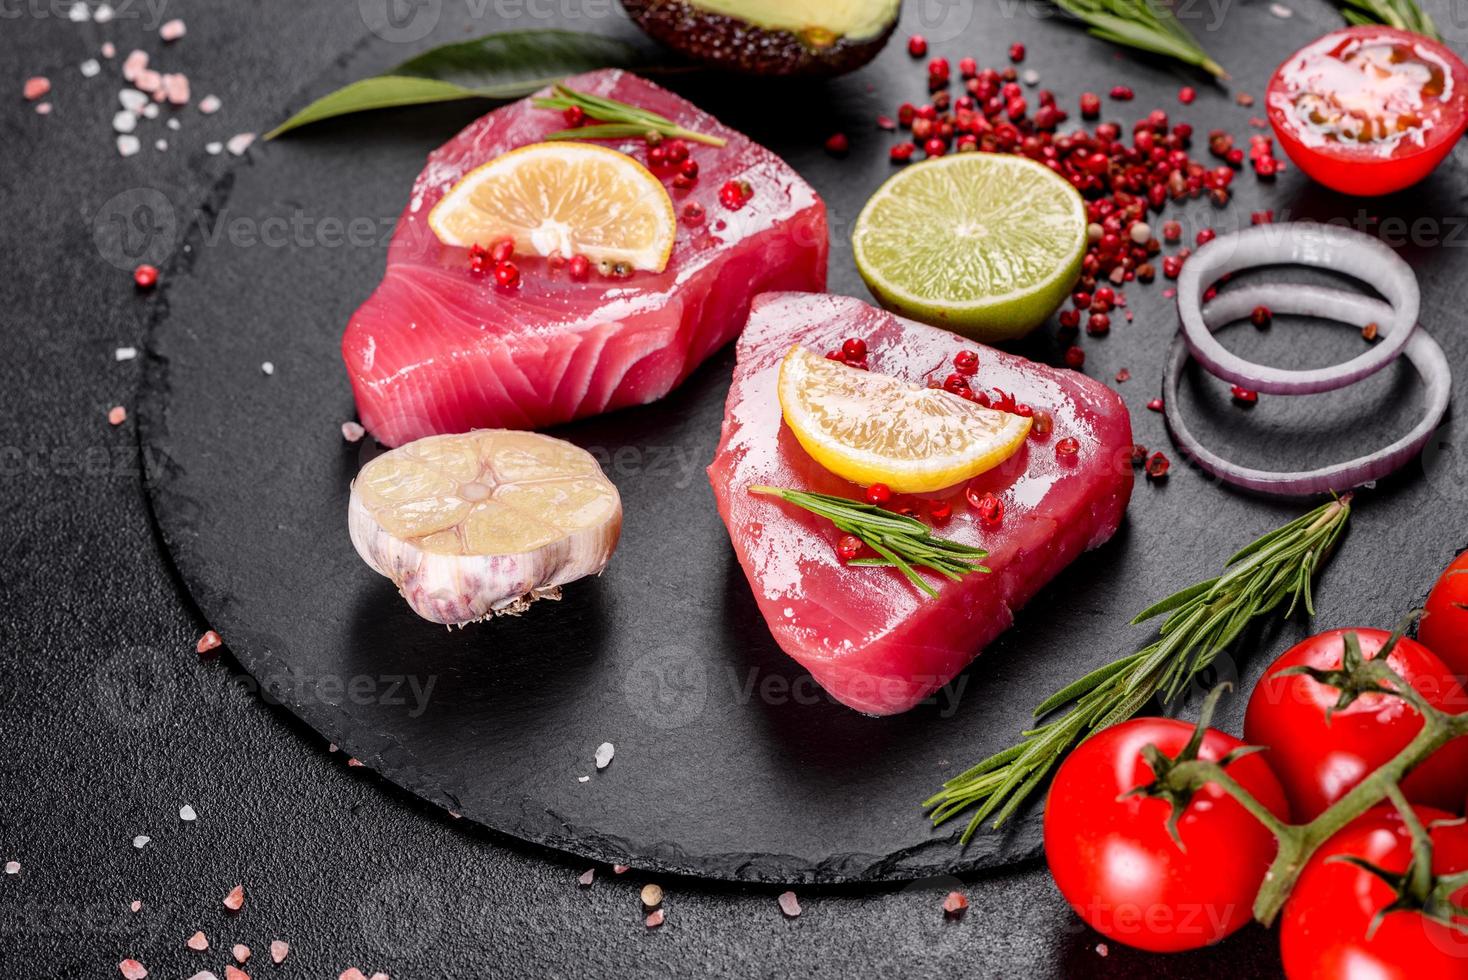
736	45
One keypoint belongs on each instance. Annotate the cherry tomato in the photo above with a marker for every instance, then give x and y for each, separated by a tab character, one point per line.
1115	862
1369	110
1444	628
1320	760
1323	929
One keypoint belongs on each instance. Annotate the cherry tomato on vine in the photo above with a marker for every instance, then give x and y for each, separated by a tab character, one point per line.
1320	759
1115	862
1369	110
1323	931
1444	628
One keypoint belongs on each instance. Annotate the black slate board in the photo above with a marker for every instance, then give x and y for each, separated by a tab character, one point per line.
730	764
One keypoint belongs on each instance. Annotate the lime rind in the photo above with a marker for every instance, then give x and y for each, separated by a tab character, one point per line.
986	244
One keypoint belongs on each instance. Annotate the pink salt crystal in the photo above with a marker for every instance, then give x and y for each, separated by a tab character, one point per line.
351	973
354	763
136	906
279	950
1102	949
134	64
655	918
172	30
109	50
177	88
241	952
235	900
586	877
132	970
379	976
789	904
352	432
620	869
36	87
117	415
198	942
235	973
12	867
209	105
43	108
208	642
148	80
239	143
955	904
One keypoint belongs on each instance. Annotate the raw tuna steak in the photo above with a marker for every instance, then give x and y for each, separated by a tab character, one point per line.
866	634
438	348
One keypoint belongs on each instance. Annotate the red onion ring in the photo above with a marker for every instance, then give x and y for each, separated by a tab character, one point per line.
1323	246
1348	308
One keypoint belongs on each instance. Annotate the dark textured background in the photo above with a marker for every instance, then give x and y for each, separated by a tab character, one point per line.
110	721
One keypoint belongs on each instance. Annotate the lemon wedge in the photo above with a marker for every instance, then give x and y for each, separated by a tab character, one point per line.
562	198
872	428
475	525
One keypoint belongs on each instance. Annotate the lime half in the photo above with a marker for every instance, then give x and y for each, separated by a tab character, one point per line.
987	244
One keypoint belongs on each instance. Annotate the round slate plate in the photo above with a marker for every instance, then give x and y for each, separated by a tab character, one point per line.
730	763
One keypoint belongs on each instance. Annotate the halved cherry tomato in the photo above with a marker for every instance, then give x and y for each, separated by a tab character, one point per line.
1114	860
1369	110
1444	628
1319	760
1323	932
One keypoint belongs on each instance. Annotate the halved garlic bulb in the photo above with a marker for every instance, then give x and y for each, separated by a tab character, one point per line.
482	524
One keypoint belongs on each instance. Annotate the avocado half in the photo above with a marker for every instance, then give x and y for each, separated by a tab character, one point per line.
771	37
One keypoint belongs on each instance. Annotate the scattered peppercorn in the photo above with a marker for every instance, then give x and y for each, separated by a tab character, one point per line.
879	494
1157	466
1261	317
145	276
1369	332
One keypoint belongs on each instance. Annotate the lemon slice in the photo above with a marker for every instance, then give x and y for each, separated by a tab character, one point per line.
475	525
988	244
565	199
871	428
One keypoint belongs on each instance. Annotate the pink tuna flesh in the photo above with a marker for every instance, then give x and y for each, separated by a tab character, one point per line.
867	635
438	348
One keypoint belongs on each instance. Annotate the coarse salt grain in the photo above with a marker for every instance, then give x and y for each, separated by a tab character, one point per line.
108	50
354	763
90	68
173	30
149	81
583	779
955	903
36	87
203	975
174	124
197	942
239	143
279	950
128	145
1281	11
102	15
235	900
124	121
235	973
141	841
132	970
620	869
604	753
1102	949
150	111
132	100
213	149
161	145
79	13
117	415
267	367
353	432
12	867
177	89
351	973
207	642
655	918
789	904
135	62
187	814
1030	77
241	952
136	906
587	877
209	105
43	108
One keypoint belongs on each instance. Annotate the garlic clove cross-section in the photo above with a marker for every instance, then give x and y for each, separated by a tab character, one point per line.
482	524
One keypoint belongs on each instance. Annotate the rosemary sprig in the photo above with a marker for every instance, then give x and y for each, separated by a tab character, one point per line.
617	120
1402	14
1202	620
904	543
1147	25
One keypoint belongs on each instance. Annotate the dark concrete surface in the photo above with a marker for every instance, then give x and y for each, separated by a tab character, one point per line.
109	721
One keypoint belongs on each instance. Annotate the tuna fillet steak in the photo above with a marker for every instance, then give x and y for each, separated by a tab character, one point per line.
867	635
438	348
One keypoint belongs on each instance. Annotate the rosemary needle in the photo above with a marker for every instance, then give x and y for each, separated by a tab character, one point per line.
1202	620
1147	25
615	120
